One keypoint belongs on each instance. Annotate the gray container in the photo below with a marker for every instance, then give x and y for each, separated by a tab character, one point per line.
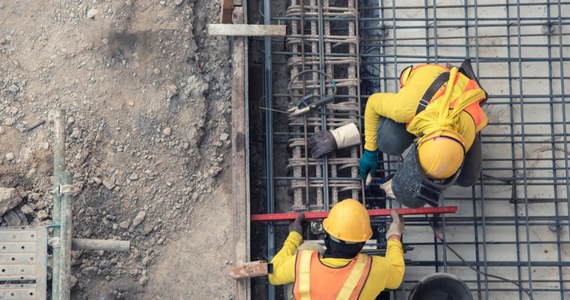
440	286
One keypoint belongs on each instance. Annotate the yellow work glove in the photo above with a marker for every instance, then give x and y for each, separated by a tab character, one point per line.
296	225
387	187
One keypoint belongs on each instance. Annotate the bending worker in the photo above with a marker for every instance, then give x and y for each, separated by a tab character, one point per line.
340	271
440	109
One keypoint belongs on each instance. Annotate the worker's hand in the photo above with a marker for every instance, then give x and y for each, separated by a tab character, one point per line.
397	225
322	143
368	163
387	187
296	225
327	141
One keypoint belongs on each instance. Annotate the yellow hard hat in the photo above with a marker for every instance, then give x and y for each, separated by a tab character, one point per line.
441	153
348	221
405	75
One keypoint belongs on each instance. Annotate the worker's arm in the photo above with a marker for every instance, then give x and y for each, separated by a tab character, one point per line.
399	107
395	260
372	113
284	261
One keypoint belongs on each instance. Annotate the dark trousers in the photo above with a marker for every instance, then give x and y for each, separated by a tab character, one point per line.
393	139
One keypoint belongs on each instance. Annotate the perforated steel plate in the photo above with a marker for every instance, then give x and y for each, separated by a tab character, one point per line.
23	262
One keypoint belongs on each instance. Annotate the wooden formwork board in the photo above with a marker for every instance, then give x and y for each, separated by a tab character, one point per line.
246	30
227	9
240	155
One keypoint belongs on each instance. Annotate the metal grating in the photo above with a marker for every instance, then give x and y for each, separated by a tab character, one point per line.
512	228
23	263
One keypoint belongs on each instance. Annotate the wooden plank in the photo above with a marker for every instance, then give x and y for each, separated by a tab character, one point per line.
246	30
240	154
250	269
316	215
227	10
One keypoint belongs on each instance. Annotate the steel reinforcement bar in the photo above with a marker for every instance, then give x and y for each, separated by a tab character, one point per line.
322	56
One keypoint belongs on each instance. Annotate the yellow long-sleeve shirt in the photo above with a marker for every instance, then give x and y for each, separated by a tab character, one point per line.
385	272
401	106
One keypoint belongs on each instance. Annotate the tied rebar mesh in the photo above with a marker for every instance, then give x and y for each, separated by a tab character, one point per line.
514	223
323	52
512	227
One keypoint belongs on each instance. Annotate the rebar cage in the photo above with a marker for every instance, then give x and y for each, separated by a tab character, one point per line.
511	231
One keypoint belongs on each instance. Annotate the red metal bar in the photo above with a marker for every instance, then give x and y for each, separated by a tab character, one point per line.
315	215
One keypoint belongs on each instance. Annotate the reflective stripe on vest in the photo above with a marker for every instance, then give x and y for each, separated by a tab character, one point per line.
355	275
304	274
346	283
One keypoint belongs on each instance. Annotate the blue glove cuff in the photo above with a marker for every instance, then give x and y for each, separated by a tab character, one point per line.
368	163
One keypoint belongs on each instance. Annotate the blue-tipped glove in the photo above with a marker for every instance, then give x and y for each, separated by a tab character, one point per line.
368	163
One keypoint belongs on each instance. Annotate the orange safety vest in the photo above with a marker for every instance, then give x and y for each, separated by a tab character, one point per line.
474	109
316	281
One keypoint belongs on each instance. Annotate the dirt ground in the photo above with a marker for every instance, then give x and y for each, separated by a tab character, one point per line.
147	99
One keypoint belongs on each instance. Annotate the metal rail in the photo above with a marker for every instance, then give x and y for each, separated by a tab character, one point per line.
319	215
61	213
269	149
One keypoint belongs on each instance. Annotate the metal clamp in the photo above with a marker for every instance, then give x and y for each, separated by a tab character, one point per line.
66	189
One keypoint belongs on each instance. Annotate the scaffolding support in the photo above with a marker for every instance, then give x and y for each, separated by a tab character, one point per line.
61	215
61	239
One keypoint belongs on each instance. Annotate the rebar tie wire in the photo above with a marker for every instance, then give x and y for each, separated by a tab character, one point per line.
440	237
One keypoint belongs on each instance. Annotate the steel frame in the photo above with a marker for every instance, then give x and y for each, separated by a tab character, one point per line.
514	222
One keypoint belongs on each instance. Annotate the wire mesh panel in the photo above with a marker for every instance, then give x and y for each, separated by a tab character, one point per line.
510	238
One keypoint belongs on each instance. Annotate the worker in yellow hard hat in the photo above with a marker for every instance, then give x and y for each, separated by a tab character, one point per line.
340	271
437	107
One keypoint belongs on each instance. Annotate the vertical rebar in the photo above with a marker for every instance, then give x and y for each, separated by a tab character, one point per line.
268	95
353	73
476	235
523	146
435	40
564	130
513	151
553	153
321	52
297	171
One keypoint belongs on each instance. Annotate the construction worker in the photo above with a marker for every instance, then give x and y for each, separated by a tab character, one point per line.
438	108
341	271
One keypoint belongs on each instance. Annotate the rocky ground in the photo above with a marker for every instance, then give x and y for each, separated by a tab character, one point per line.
147	99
